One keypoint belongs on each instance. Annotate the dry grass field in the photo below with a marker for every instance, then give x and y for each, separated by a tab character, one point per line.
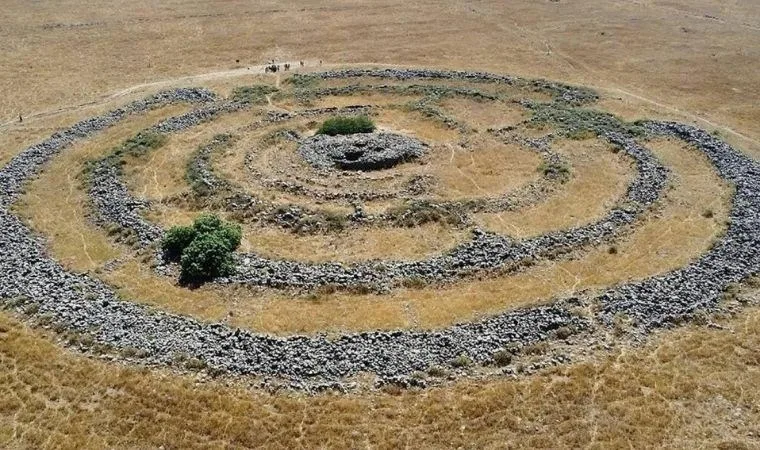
694	386
689	388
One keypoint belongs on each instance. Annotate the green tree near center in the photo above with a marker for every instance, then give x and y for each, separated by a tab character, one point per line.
204	250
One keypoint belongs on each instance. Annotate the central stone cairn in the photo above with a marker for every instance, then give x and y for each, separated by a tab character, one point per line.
360	151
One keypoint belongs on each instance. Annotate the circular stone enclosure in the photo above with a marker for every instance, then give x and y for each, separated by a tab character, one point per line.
37	286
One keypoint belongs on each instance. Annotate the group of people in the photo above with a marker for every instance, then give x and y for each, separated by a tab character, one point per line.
272	67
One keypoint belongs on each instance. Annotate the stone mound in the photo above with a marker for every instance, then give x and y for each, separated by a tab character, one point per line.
361	151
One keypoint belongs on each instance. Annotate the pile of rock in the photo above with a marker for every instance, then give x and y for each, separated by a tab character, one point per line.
360	151
485	252
561	91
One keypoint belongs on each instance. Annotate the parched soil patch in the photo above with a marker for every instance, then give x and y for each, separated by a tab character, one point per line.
495	116
683	386
56	204
162	174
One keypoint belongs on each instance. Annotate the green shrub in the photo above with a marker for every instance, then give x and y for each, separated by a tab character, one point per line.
207	223
141	143
205	249
346	125
208	256
176	240
230	234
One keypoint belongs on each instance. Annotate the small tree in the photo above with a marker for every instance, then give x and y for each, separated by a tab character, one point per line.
207	257
205	249
176	240
207	223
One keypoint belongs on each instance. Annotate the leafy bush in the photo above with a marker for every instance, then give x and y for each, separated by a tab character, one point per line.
346	125
208	256
176	240
207	223
230	234
205	249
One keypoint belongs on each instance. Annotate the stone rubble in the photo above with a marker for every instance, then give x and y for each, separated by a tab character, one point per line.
485	252
112	202
570	94
37	287
361	151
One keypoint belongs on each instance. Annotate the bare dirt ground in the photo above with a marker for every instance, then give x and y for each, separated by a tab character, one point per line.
694	61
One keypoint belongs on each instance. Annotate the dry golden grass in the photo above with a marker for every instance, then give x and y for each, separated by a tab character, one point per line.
353	244
416	124
677	234
599	178
687	388
692	61
17	136
485	168
482	114
161	173
457	167
370	98
356	245
79	244
607	44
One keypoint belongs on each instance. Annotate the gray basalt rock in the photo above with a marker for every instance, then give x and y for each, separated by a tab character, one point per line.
34	285
482	254
360	151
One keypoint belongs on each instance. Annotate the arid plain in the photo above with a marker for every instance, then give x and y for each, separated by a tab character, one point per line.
692	386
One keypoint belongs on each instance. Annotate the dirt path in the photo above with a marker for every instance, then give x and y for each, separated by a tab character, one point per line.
257	69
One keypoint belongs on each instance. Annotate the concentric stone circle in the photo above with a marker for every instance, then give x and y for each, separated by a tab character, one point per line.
485	252
360	151
79	303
